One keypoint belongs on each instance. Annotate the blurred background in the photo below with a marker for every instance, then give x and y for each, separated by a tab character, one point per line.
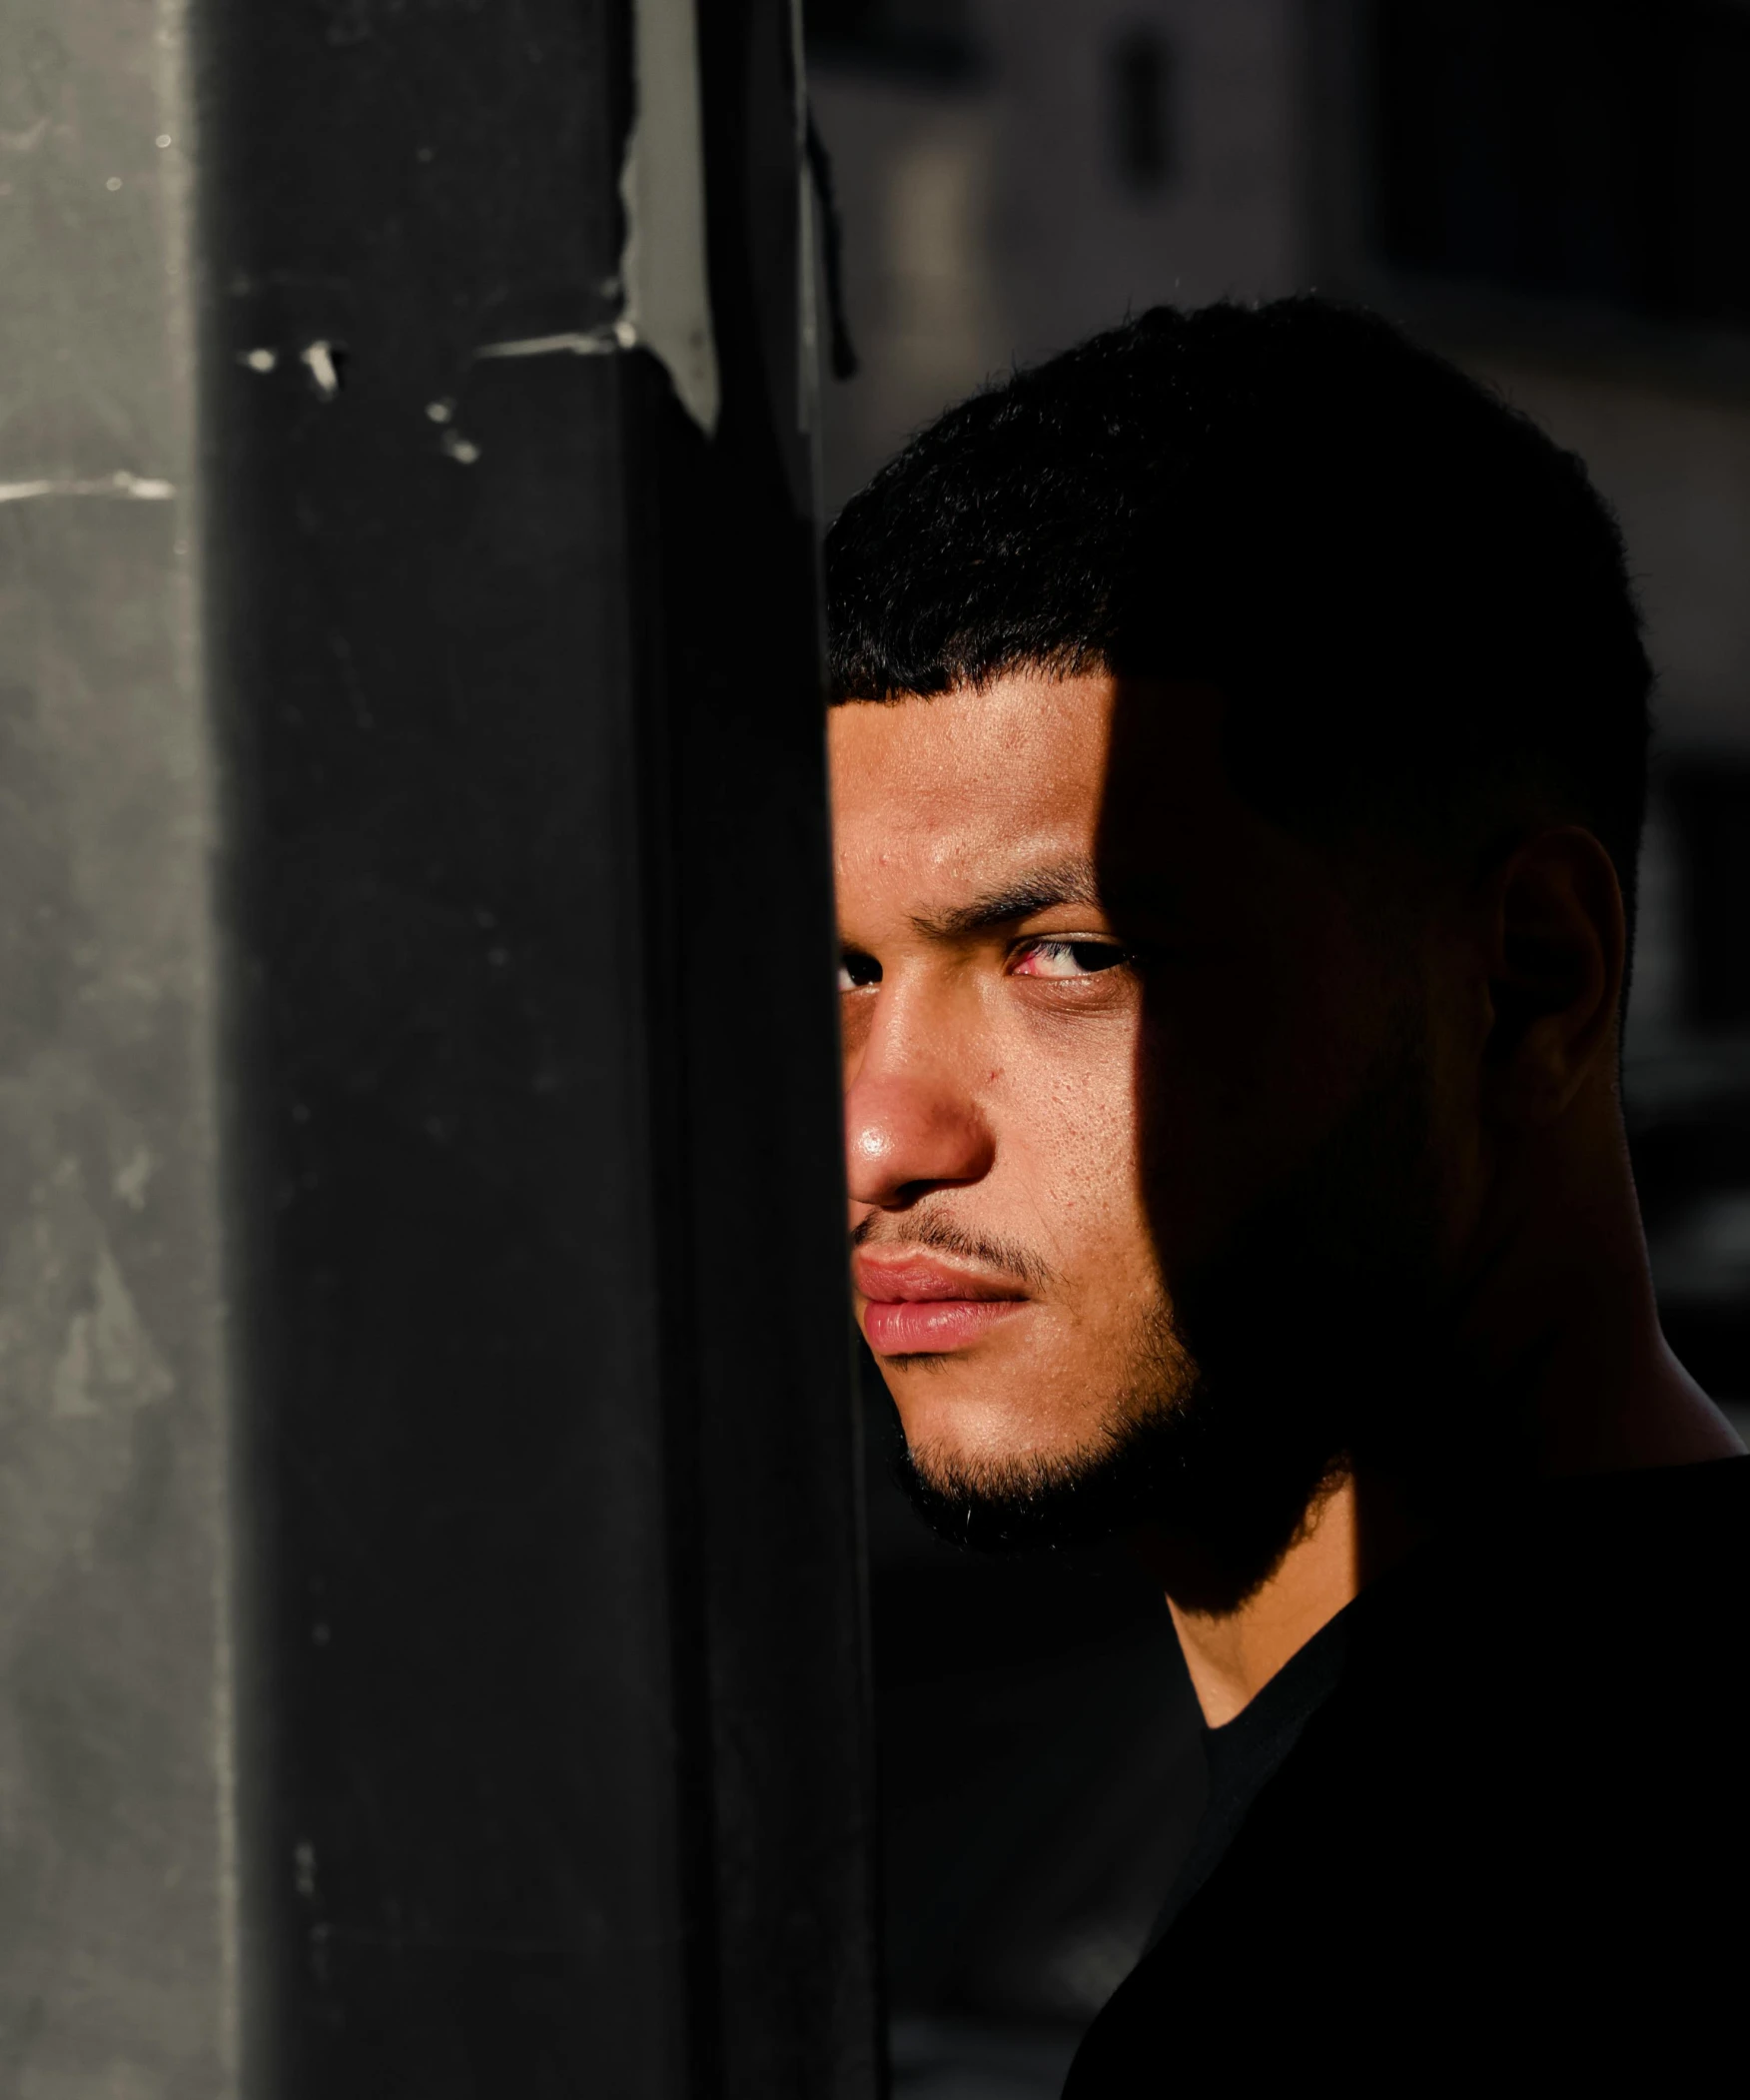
1557	194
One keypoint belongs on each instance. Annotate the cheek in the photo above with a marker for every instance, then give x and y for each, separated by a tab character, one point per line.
1072	1124
1239	1074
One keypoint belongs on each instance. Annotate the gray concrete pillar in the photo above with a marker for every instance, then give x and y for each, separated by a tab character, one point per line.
430	1640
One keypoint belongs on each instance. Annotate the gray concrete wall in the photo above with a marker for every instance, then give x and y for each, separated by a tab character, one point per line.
115	1927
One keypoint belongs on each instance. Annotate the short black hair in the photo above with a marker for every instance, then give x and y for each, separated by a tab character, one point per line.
1413	601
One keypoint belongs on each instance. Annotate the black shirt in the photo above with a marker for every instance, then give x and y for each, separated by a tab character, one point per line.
1246	1752
1490	1820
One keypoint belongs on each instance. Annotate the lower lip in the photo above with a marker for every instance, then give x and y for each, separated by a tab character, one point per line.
907	1326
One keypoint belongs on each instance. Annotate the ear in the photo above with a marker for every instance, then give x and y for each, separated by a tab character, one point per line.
1558	949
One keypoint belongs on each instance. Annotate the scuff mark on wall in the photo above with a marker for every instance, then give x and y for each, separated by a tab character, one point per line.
108	1360
141	488
130	1181
662	186
663	277
320	358
590	342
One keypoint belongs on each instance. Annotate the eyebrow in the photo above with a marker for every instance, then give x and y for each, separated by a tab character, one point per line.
1037	890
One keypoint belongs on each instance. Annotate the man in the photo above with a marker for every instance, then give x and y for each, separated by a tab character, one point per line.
1238	764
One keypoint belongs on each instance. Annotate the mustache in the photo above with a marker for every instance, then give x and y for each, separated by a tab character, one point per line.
945	1235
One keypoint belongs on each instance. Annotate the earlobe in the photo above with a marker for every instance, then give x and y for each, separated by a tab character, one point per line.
1559	950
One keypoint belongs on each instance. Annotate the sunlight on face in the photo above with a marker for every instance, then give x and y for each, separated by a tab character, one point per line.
1083	1030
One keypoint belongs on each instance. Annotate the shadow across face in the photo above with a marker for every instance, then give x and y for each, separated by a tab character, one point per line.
1287	1154
1240	1200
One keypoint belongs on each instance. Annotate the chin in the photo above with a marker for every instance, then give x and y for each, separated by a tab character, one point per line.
973	1428
994	1487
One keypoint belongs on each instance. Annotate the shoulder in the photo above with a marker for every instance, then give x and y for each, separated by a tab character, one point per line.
1576	1668
1516	1813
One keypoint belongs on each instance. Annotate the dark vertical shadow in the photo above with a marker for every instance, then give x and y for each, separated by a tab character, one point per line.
555	1754
1285	1241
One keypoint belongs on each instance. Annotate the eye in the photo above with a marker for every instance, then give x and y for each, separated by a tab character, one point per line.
1067	958
857	972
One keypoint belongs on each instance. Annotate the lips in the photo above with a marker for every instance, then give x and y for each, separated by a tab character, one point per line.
915	1303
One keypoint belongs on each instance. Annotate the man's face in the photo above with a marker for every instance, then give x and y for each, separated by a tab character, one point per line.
1104	1025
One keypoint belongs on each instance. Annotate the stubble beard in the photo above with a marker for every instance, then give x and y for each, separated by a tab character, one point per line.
1313	1336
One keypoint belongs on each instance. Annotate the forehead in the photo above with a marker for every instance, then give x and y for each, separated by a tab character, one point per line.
955	782
950	793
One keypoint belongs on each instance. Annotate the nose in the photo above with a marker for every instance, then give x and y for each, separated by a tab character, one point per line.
910	1130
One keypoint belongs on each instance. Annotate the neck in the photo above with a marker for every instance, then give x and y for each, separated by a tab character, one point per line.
1231	1654
1566	1372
